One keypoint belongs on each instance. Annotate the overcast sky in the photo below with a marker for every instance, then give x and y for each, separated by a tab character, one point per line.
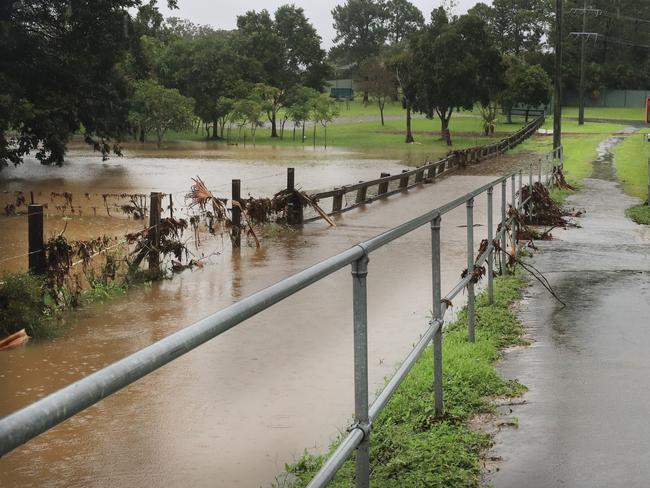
223	13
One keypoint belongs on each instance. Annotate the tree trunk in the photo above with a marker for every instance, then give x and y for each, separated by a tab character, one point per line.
294	132
325	136
303	131
215	132
274	128
381	112
314	134
409	134
365	98
141	134
444	121
510	115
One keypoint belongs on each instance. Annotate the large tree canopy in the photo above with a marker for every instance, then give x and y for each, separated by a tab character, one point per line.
456	66
57	73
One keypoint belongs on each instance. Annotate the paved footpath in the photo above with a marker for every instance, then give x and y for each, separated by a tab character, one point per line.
586	420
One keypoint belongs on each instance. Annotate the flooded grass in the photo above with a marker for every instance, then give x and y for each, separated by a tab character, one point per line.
409	447
466	130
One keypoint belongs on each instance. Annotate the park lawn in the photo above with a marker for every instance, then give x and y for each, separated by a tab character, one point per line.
631	159
572	127
612	113
409	447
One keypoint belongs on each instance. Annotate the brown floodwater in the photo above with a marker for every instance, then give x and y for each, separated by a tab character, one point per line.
234	411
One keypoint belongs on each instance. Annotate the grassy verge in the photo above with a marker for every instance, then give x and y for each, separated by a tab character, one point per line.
631	158
612	113
409	446
639	213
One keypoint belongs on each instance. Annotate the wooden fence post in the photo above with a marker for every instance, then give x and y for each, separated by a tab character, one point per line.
294	206
419	176
383	187
361	194
648	181
404	182
171	207
337	202
236	213
155	205
36	246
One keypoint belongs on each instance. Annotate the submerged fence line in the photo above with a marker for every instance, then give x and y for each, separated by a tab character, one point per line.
27	423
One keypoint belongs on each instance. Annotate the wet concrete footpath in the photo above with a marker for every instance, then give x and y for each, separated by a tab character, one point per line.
584	422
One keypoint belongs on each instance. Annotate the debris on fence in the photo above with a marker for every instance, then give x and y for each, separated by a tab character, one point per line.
558	180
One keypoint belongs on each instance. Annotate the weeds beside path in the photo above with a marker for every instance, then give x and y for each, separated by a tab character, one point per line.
409	446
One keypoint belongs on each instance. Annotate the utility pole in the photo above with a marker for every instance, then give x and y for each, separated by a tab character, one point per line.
581	109
557	110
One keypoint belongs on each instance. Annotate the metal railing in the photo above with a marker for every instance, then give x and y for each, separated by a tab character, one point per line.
27	423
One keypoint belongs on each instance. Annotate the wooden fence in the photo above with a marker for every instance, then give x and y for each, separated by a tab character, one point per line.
428	172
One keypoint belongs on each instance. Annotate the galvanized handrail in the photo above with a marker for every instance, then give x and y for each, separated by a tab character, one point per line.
36	418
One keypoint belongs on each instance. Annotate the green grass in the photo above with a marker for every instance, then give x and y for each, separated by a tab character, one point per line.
409	446
466	131
613	113
572	127
639	213
631	156
579	152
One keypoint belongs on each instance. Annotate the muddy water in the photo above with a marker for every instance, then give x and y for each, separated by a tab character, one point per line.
233	412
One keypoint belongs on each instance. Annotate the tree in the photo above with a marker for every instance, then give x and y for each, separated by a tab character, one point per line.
402	19
58	74
525	84
378	81
248	111
299	107
287	51
404	67
157	109
456	66
324	111
516	26
360	31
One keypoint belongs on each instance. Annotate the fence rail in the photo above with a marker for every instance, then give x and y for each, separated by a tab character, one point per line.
27	423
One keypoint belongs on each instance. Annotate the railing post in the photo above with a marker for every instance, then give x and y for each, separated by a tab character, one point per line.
521	174
236	213
437	315
155	206
513	192
360	318
470	269
36	246
504	257
490	237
